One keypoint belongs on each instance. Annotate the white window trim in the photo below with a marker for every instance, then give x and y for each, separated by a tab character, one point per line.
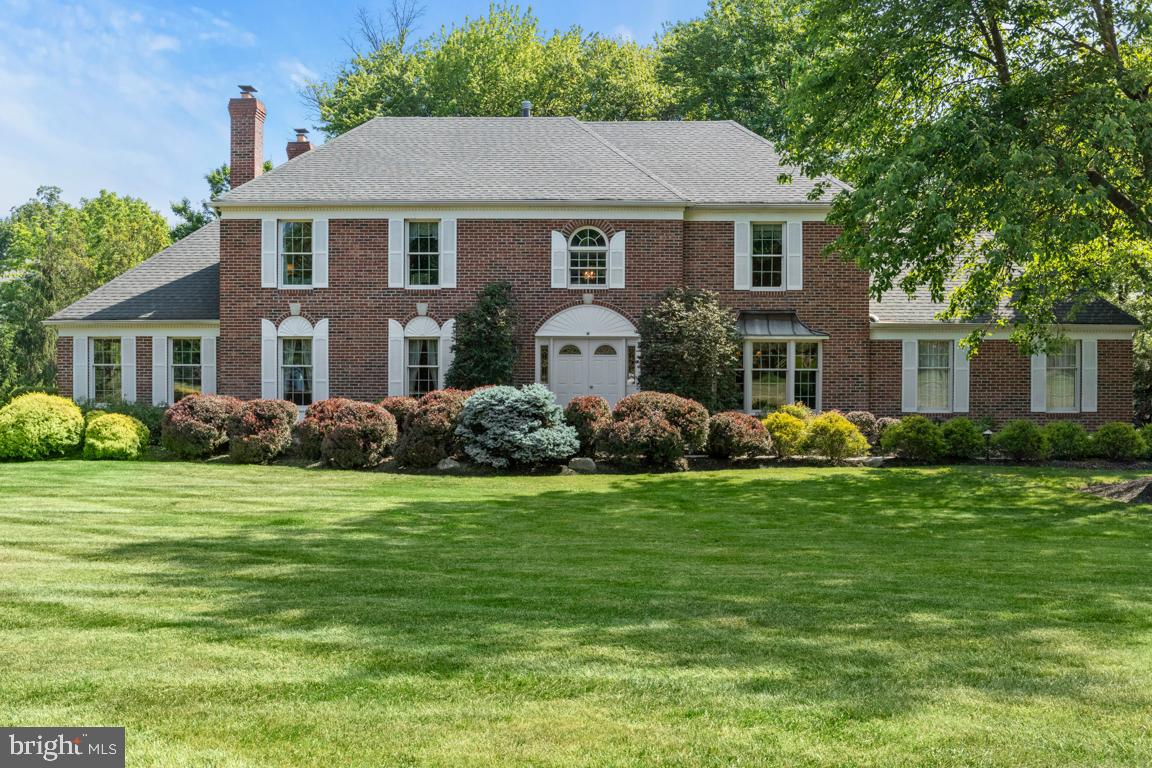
585	249
280	255
783	257
951	404
280	368
171	372
790	377
1077	400
408	259
91	394
408	366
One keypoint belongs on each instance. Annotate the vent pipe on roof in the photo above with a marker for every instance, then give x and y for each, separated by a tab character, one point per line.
525	108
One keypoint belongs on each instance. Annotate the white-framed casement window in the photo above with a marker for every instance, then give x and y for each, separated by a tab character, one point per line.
1062	379
185	368
295	240
778	372
767	255
423	369
296	370
934	375
588	258
422	253
105	371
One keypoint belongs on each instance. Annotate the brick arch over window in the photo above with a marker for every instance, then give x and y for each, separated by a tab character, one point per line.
603	225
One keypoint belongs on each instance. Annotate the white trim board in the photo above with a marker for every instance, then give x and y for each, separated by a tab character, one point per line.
138	328
894	332
461	212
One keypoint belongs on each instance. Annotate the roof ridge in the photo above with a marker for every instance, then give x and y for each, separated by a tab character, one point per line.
632	162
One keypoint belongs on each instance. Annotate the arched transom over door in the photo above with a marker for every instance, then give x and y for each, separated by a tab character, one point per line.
587	350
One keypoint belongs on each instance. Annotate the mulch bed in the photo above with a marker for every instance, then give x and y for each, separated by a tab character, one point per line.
1138	491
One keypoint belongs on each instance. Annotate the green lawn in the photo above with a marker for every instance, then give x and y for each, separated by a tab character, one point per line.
254	616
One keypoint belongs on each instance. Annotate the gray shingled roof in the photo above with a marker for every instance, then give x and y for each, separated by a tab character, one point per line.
712	162
538	159
182	282
895	306
458	159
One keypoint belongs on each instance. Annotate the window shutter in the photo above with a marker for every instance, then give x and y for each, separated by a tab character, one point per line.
160	370
1088	366
208	365
794	243
268	251
961	373
395	358
128	369
1039	382
447	337
320	360
269	379
616	261
79	367
319	253
741	257
909	376
559	260
396	253
448	253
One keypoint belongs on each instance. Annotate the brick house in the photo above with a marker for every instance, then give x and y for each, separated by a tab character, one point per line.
339	273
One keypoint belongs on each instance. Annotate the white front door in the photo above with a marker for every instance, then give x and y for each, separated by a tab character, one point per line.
588	367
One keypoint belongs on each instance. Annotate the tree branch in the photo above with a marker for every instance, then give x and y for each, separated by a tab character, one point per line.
1122	202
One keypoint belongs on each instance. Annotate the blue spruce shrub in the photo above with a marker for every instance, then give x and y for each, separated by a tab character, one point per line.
508	427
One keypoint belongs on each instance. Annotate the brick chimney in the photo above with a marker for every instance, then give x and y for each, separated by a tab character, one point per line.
301	145
247	136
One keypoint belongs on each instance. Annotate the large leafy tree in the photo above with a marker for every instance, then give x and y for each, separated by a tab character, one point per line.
194	216
51	254
1003	143
734	63
487	66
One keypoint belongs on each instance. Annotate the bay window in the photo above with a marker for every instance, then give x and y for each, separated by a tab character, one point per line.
778	372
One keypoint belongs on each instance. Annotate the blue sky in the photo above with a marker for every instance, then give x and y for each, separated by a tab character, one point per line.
132	96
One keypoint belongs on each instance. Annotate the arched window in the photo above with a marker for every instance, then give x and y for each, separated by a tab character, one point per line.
588	257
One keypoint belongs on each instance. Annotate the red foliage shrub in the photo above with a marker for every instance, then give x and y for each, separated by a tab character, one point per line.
261	430
401	408
732	434
428	435
588	414
647	439
688	416
361	442
197	426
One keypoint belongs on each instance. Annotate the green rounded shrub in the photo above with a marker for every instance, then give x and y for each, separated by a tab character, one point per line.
732	434
39	426
115	436
1067	440
963	439
787	433
799	410
915	437
1021	440
1146	433
834	437
1118	441
505	427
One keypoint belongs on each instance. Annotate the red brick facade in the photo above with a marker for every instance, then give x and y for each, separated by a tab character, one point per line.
64	365
247	161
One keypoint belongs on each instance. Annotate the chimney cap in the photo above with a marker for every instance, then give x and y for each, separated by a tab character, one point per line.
246	91
301	130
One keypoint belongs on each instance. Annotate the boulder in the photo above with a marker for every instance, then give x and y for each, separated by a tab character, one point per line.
449	465
582	464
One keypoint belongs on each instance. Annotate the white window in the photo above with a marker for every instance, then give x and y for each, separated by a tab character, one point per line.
934	376
543	362
105	371
423	254
587	258
423	366
296	370
185	369
296	254
767	255
776	373
1062	378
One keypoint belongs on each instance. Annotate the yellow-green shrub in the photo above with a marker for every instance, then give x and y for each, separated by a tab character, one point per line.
788	433
39	426
834	437
115	436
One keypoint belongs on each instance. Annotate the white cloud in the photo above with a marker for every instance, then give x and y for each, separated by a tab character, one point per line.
297	73
114	95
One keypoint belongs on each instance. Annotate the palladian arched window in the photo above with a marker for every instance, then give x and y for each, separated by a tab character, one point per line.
588	257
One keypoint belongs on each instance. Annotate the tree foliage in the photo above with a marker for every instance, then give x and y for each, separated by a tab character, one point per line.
487	66
194	216
1005	144
484	349
53	253
689	346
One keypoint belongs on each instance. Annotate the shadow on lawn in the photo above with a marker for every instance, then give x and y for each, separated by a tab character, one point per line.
866	591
